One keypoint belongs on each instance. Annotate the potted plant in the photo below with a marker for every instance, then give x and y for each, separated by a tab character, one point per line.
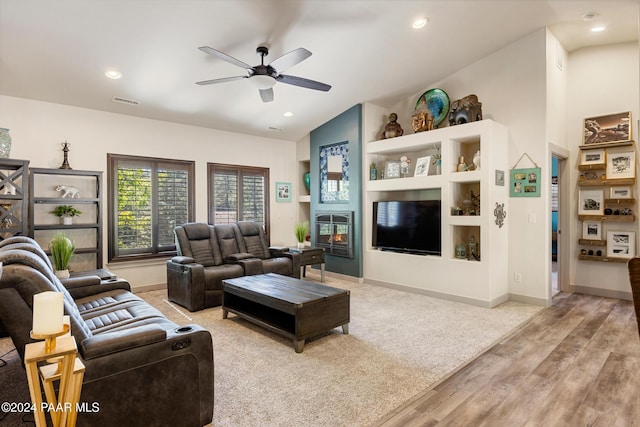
66	212
301	230
61	251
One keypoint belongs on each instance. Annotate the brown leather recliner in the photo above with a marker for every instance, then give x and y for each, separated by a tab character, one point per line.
209	254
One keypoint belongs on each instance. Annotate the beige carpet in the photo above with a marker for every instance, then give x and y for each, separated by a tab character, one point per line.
398	345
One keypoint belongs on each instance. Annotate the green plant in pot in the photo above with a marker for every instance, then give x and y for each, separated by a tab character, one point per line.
66	212
301	230
62	250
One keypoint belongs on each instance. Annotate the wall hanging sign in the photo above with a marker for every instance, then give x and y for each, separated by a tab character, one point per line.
607	129
525	182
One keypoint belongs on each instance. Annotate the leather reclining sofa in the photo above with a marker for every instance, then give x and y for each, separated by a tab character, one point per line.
141	368
209	254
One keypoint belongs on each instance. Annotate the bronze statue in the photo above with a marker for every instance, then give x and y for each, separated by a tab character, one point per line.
393	128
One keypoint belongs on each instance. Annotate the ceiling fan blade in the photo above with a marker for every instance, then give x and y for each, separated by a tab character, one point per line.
266	94
290	59
306	83
222	80
225	57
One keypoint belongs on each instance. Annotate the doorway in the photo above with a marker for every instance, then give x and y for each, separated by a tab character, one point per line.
559	246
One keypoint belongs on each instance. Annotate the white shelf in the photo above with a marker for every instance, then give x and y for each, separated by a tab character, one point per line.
483	282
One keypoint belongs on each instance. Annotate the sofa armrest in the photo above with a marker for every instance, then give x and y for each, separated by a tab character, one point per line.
277	251
112	342
185	284
183	260
234	258
75	282
84	288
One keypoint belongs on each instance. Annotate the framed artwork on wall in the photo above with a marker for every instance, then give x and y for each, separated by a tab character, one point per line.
283	192
621	165
591	202
621	192
525	182
621	244
592	157
607	129
592	230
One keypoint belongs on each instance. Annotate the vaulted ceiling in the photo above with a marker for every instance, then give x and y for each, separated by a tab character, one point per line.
59	51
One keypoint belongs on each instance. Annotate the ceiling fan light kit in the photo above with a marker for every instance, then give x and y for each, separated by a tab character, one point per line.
264	77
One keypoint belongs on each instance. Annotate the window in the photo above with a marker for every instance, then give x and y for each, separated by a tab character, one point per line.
148	197
238	193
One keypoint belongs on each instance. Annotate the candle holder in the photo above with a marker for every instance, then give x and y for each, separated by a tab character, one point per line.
50	339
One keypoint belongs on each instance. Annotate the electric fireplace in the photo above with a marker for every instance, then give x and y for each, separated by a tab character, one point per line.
334	233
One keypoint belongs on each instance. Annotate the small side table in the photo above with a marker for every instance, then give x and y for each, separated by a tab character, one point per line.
311	256
69	370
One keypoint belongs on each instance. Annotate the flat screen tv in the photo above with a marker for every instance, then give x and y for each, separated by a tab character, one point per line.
407	226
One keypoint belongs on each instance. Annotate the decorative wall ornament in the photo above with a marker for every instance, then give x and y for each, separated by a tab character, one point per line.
334	173
465	110
500	214
525	182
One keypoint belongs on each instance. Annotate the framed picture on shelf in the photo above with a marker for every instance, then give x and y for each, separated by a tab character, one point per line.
607	129
392	169
592	157
422	166
621	192
621	244
283	192
591	202
621	165
592	230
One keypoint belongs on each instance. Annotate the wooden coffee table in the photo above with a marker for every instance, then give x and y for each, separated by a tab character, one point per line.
291	307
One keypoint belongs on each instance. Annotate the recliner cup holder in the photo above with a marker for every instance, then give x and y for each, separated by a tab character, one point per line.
184	329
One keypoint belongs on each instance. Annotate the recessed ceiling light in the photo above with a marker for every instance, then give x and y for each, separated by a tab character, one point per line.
288	114
598	29
113	74
420	22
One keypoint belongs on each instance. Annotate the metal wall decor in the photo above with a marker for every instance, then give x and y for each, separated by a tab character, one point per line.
500	214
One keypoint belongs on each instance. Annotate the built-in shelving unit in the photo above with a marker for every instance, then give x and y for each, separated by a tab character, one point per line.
621	210
469	198
86	230
14	197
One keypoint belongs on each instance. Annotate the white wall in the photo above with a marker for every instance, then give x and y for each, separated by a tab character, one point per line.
511	84
602	80
37	129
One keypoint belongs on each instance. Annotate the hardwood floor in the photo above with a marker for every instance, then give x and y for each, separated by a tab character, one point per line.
576	363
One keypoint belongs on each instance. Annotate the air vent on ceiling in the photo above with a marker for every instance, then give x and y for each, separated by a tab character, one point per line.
273	128
126	101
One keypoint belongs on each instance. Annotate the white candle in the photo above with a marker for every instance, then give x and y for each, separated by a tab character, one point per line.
47	313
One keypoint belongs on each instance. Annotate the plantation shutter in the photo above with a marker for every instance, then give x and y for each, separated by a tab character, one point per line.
238	193
151	197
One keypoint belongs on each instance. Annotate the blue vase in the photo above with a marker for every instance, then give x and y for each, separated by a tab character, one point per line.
307	181
5	143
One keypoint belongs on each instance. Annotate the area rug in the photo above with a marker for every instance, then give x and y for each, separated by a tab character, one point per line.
398	345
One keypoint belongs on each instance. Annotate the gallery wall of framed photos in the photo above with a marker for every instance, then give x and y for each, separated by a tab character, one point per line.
606	183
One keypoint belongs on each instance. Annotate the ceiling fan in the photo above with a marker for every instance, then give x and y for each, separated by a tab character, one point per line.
265	76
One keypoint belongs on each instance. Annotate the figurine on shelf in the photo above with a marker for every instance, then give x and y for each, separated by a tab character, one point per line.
65	150
393	128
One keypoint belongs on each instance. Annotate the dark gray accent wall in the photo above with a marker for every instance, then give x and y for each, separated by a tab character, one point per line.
347	127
